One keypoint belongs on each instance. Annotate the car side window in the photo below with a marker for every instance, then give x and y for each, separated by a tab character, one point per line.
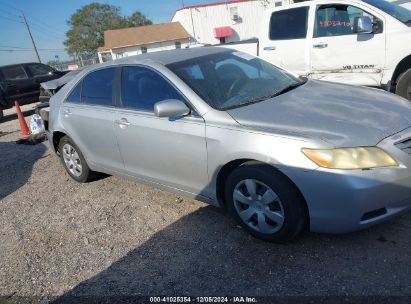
141	88
97	87
39	69
337	20
289	24
14	72
75	95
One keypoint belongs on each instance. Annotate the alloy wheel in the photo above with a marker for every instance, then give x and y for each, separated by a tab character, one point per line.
72	160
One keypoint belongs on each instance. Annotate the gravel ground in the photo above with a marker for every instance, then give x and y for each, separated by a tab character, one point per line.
115	237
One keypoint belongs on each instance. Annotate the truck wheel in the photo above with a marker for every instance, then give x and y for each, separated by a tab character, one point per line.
74	162
403	87
265	203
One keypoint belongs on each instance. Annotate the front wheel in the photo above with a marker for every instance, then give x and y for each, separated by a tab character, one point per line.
403	87
74	162
265	202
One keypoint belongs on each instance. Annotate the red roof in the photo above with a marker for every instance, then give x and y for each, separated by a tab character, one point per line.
209	4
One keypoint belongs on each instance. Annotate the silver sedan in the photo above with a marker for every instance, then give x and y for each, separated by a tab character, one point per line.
280	153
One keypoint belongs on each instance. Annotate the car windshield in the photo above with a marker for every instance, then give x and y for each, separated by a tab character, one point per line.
232	79
398	12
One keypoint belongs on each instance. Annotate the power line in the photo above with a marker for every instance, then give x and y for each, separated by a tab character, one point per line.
7	18
37	23
8	12
13	47
44	25
31	17
43	32
30	50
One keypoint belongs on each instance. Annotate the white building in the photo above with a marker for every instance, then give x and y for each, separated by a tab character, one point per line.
226	21
143	39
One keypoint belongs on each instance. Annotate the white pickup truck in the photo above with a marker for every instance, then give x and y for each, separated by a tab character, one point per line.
355	42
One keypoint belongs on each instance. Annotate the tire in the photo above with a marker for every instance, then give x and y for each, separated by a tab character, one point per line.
403	87
1	114
74	162
276	216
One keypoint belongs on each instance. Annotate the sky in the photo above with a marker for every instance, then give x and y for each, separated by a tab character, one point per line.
48	23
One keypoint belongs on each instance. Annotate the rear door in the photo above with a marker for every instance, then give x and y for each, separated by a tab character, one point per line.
16	85
88	118
285	44
339	54
169	151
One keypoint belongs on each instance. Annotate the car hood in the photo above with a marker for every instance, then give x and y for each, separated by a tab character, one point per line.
341	115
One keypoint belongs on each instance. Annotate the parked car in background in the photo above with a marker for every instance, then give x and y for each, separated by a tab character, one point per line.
281	153
21	82
363	43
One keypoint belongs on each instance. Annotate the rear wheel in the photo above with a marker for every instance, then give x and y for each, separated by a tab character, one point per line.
265	202
403	87
74	162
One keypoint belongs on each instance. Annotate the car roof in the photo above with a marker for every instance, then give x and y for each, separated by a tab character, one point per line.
308	3
166	57
17	64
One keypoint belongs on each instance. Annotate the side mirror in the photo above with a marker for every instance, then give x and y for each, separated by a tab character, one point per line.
363	25
170	107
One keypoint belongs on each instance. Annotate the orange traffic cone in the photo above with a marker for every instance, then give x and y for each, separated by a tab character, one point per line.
23	125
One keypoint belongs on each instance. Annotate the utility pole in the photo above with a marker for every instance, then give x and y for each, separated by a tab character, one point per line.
31	37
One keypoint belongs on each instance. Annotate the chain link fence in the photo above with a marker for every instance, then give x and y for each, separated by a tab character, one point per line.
74	63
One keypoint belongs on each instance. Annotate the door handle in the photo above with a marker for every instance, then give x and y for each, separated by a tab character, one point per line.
320	45
269	48
67	113
123	122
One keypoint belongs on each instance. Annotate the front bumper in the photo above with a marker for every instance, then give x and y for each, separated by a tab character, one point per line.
341	201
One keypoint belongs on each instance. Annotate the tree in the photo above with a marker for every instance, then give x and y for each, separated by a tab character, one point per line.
138	19
87	26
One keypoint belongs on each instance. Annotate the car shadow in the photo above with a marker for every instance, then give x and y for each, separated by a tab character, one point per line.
16	164
206	253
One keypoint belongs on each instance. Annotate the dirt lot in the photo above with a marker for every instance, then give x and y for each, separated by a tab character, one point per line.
115	237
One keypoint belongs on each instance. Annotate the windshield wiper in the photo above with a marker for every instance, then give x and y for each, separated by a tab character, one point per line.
262	98
282	91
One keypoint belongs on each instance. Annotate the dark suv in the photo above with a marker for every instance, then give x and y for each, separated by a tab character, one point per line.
21	82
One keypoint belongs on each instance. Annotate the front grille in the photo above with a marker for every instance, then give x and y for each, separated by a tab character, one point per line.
404	145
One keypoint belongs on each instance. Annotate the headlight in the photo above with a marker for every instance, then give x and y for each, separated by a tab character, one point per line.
350	158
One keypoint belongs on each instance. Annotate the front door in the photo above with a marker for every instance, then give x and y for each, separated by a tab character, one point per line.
339	54
286	44
169	151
